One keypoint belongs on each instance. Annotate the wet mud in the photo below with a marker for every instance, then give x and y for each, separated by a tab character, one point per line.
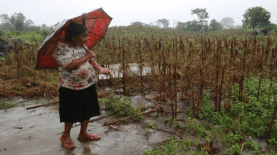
37	131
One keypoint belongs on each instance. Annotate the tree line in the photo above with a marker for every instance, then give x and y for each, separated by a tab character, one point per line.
256	17
18	22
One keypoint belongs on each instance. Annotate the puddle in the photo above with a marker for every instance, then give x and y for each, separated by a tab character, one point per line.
37	131
133	68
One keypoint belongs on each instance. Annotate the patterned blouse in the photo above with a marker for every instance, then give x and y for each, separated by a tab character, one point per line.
76	79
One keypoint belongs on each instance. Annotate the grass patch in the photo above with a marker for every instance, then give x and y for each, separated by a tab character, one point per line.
122	107
146	131
229	128
241	115
5	105
46	103
152	125
177	147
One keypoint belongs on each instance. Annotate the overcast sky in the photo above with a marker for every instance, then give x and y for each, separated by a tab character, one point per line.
124	12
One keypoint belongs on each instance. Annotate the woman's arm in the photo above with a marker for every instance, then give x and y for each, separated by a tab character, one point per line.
76	63
95	64
99	68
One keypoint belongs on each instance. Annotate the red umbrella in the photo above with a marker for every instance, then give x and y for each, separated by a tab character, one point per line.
97	23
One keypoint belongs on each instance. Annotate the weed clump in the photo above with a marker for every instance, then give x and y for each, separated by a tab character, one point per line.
121	107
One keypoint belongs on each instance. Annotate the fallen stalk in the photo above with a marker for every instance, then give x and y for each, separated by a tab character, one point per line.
113	127
177	112
170	132
36	106
241	148
100	117
108	123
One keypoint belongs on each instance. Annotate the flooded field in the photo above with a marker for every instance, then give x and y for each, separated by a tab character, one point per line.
132	68
37	131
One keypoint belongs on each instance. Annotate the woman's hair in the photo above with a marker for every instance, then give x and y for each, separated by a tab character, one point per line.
74	30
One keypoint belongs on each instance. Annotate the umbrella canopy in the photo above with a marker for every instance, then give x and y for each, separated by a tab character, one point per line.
97	23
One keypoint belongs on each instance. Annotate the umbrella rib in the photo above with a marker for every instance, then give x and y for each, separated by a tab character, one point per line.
97	35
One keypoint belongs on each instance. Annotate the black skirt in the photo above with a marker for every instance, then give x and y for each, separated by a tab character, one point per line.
78	105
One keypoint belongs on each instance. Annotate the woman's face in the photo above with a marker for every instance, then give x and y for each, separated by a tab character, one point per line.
81	40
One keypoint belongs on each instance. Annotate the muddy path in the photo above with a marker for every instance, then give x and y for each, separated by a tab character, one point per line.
37	131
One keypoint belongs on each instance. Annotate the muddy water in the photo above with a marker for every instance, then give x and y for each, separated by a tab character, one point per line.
133	68
37	131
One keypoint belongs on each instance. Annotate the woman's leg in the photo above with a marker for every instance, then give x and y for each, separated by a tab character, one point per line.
84	126
65	138
67	128
83	132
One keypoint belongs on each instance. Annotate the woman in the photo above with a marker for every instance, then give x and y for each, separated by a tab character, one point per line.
77	92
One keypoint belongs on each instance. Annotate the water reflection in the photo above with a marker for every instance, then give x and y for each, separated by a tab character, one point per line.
132	69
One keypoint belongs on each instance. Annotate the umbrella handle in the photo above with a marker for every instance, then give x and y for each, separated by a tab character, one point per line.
85	49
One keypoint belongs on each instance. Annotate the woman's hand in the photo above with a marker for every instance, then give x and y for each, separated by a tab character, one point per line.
105	70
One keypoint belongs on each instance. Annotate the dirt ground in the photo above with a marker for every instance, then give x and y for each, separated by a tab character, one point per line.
37	131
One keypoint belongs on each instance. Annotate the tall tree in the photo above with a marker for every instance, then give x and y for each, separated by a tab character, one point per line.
137	23
202	15
188	26
45	27
271	26
195	25
180	26
7	22
19	16
19	25
155	24
28	23
164	22
256	17
16	22
215	25
227	22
